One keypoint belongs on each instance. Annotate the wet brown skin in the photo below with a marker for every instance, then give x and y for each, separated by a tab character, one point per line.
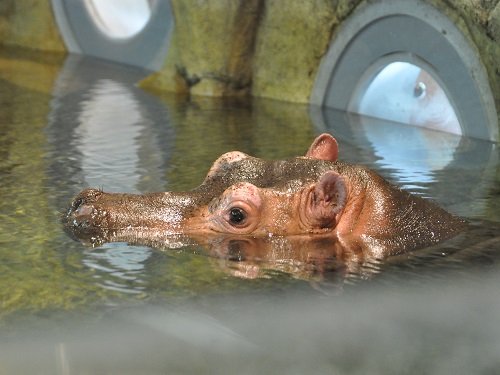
243	198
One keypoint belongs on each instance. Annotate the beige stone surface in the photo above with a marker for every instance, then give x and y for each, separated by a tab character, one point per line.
211	48
29	24
494	23
292	38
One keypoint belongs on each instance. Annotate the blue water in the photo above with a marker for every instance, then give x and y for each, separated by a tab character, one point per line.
70	123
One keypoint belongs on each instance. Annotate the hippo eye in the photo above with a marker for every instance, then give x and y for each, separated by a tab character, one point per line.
237	216
419	90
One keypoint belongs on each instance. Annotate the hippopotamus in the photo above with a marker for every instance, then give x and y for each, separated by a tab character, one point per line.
405	93
313	198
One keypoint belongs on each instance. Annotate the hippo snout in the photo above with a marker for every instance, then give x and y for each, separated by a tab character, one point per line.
83	218
82	203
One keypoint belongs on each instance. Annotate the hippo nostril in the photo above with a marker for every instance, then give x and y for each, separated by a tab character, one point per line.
83	224
86	197
76	204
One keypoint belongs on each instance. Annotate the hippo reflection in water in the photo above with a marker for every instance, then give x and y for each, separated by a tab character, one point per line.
310	208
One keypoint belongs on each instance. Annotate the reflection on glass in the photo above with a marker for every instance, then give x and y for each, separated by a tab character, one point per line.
405	93
413	154
118	268
109	113
108	137
120	18
106	133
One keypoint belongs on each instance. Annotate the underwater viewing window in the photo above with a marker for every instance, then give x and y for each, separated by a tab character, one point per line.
405	93
405	61
120	18
132	32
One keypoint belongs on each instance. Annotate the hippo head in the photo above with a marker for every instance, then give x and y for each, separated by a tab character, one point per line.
249	198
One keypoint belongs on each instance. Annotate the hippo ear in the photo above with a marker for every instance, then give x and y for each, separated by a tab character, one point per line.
324	147
327	200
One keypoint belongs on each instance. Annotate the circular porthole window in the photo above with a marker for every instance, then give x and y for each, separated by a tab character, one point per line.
404	61
120	19
133	32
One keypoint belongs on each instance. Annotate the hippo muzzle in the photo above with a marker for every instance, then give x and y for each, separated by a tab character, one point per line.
83	220
95	217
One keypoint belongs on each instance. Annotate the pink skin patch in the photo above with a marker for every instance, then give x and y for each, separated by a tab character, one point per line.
239	209
324	147
325	202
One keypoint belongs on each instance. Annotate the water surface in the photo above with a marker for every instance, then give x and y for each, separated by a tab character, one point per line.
70	123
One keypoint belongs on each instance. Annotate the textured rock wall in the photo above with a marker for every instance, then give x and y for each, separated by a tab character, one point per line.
211	51
283	44
295	37
266	48
29	24
280	61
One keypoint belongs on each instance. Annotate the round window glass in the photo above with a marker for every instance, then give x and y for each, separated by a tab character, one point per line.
120	19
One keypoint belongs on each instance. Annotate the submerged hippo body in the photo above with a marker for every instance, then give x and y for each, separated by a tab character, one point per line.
243	197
